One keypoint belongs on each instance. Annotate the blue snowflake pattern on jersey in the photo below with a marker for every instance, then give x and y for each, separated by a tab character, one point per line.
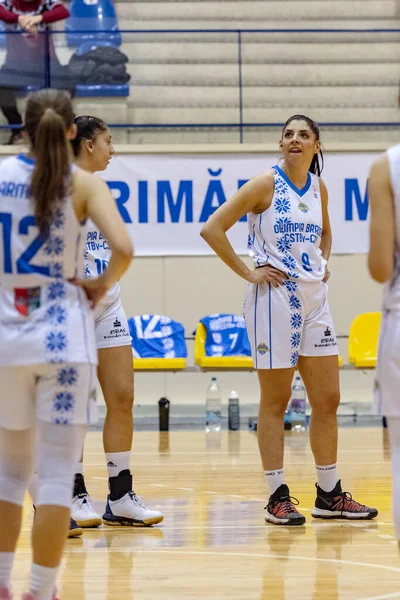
249	241
294	302
56	270
291	286
282	205
56	315
296	321
289	262
58	219
294	359
54	246
86	273
283	245
56	341
64	401
281	187
67	377
56	291
283	222
295	340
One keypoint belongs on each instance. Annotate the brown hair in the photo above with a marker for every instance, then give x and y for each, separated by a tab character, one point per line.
48	116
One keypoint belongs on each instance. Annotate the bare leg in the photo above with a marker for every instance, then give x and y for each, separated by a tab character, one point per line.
275	387
321	378
115	373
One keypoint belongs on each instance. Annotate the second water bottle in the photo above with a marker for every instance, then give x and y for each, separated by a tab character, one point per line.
213	406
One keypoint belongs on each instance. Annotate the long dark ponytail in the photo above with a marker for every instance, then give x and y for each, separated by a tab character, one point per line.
317	163
48	116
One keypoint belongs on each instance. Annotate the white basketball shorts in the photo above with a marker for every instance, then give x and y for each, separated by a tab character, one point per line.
63	393
387	379
287	322
111	326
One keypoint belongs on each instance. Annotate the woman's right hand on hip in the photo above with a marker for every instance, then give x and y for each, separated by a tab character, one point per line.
268	274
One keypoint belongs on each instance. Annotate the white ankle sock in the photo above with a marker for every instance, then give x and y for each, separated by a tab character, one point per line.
117	462
327	477
394	437
6	564
79	469
274	479
43	582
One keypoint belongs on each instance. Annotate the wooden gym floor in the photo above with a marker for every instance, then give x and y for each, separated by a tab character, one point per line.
214	543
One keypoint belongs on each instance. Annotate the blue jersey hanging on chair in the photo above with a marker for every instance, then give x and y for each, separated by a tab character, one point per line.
226	335
156	336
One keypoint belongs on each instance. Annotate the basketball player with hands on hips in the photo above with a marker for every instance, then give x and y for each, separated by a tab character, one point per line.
93	151
384	266
47	335
287	314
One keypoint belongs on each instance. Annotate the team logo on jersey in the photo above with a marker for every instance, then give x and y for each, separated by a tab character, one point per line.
26	300
262	348
302	206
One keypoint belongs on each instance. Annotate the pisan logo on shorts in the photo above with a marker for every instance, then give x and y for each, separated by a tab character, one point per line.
302	206
117	323
328	332
262	348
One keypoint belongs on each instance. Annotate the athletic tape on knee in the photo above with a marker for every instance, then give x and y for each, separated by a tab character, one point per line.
12	490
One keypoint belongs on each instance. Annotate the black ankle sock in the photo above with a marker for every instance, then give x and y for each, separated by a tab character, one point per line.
79	485
120	485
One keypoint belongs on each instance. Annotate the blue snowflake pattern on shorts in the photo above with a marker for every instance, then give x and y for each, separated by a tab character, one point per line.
291	286
54	246
67	376
56	270
56	341
64	401
282	205
57	315
296	321
56	291
61	421
294	302
283	245
295	340
249	241
289	262
294	359
294	275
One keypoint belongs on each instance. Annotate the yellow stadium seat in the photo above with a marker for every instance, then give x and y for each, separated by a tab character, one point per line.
363	340
159	364
340	361
216	362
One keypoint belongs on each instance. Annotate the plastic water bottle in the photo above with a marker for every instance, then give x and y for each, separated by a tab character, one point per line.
297	406
213	407
233	411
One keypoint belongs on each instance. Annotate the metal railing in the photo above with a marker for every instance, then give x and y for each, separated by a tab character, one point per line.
240	125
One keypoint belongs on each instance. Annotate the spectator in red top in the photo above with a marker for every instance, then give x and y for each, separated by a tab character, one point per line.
25	59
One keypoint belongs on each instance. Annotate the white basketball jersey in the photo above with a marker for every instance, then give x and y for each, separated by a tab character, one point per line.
391	297
43	317
288	234
96	258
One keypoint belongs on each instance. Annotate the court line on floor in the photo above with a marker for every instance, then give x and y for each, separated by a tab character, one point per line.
385	597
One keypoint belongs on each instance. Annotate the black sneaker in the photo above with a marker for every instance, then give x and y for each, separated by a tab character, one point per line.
281	508
340	505
16	139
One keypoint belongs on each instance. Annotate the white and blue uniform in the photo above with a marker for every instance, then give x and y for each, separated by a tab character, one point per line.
47	339
111	324
293	319
388	367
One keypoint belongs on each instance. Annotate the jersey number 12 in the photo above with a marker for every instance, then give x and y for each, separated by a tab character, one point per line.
23	263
